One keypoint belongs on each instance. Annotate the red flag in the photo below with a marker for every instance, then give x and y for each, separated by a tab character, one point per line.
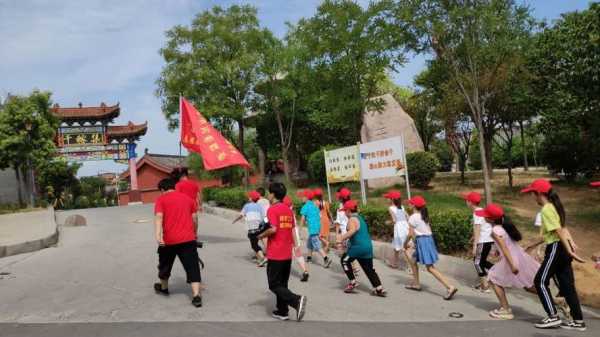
198	135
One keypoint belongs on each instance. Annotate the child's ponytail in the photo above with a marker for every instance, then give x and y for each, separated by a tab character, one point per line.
555	200
424	214
510	228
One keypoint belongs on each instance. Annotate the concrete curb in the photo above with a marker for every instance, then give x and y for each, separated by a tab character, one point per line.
34	244
454	267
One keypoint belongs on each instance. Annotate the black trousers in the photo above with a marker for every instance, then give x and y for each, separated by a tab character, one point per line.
365	264
278	274
482	265
188	255
253	237
557	263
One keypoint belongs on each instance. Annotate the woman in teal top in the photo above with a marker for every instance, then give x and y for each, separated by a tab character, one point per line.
360	249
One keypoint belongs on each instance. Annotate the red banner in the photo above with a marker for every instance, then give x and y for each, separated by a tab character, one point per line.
198	135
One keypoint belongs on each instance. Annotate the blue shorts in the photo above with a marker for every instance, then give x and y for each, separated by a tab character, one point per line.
313	243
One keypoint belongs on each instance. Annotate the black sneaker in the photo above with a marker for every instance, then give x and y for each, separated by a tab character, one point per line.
308	259
197	301
281	317
573	325
304	277
327	262
159	290
301	308
549	323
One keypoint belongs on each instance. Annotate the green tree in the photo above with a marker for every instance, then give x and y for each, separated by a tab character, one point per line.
472	40
214	63
349	50
27	130
566	61
55	178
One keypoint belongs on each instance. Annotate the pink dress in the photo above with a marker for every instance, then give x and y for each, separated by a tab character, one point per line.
502	275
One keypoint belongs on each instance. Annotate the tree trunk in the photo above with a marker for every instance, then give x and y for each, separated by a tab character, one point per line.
286	164
524	145
488	144
261	164
510	164
241	147
462	166
487	183
19	183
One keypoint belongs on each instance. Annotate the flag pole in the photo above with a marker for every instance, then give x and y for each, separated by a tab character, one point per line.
180	128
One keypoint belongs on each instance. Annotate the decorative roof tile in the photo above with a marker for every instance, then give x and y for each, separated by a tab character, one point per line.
78	113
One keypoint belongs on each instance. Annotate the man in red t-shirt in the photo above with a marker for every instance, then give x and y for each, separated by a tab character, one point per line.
279	253
175	230
187	186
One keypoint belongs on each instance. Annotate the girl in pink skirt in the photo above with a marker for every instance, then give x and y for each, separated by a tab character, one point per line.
516	268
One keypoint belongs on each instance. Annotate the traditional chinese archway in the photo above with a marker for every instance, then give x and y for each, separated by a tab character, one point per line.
84	134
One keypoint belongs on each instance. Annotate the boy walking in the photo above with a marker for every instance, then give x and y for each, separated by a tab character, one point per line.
311	217
253	214
279	252
175	232
482	242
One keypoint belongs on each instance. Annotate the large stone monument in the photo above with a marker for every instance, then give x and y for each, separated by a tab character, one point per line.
390	121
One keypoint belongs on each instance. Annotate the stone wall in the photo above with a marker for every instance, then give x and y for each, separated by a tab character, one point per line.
8	187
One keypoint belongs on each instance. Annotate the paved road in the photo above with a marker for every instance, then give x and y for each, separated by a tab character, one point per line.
98	282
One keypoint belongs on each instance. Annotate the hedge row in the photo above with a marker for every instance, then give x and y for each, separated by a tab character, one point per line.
451	228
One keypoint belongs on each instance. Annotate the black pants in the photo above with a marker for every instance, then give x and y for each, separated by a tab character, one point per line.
253	237
482	265
188	255
365	264
557	262
278	274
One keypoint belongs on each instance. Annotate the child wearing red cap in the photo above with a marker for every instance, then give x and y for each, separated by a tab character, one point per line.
341	221
311	218
560	251
425	251
516	268
400	220
360	249
253	215
325	218
297	250
482	241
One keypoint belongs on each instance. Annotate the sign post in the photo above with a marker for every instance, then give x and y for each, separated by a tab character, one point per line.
405	168
383	158
327	177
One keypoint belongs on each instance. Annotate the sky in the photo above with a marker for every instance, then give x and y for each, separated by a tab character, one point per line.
97	51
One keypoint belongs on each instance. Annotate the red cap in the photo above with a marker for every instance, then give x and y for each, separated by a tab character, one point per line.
288	201
538	185
417	201
350	205
491	211
393	195
472	197
318	192
254	195
595	184
308	194
343	193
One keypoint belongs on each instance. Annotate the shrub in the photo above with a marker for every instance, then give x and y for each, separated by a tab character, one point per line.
233	198
82	202
208	193
101	202
451	229
444	154
316	165
422	167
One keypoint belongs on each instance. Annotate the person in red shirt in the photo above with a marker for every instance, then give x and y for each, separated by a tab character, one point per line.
281	241
175	231
185	185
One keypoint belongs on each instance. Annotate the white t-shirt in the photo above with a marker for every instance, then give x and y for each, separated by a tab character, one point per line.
400	214
342	219
416	222
253	216
265	204
485	229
